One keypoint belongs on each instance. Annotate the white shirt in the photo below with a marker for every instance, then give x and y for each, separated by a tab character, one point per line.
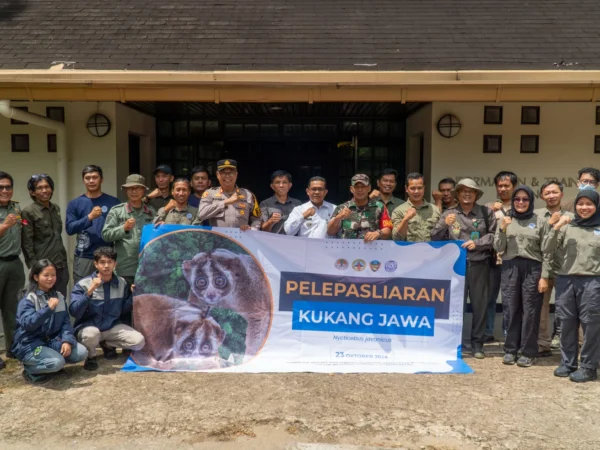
313	227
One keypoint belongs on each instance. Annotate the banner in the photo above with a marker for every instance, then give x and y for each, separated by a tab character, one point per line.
219	299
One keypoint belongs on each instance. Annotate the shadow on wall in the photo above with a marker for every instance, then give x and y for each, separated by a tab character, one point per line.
11	8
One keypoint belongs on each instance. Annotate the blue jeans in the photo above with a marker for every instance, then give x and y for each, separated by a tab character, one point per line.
50	361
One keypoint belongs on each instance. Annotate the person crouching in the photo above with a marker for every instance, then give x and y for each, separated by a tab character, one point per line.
97	303
44	340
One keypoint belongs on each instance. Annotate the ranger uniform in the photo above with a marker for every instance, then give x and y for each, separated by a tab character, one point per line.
420	226
12	276
175	216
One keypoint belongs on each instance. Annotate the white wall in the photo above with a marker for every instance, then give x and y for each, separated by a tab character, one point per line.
566	144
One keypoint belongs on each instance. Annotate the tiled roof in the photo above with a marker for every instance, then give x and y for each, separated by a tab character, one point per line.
300	34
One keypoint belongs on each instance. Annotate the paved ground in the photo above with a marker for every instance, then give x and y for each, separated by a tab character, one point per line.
498	407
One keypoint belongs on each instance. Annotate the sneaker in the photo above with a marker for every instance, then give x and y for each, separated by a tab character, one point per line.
525	361
544	353
555	342
36	379
478	354
583	375
109	352
563	371
509	359
90	363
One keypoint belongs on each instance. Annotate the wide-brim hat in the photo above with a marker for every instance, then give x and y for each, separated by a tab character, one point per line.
469	183
135	180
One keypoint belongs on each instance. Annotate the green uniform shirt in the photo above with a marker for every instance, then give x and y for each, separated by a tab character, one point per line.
41	236
10	241
371	217
553	264
523	238
127	243
177	217
576	249
391	204
420	226
158	202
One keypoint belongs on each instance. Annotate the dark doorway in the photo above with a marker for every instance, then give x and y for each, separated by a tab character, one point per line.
134	154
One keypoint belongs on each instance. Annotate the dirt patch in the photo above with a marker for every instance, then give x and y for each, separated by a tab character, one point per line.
498	407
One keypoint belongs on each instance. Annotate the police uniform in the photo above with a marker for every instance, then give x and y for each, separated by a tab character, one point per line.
41	238
12	276
576	248
176	216
245	211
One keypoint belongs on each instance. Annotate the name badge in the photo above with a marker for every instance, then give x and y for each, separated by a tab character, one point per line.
475	235
364	224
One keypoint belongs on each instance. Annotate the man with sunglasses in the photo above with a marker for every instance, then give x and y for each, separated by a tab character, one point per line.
12	276
42	230
310	219
229	205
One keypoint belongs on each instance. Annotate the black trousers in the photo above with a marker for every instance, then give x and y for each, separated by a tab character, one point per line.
523	305
127	318
477	289
578	303
62	280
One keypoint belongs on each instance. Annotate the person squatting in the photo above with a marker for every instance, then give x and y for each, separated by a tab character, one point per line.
512	249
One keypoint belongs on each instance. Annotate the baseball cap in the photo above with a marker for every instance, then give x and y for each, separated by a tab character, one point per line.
135	180
360	178
164	169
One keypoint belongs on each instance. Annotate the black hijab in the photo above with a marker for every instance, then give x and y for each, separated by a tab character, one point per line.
527	214
593	221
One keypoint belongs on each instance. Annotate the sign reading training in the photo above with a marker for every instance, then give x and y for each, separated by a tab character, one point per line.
224	300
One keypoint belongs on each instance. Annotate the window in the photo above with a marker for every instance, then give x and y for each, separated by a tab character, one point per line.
56	113
18	122
530	115
530	144
492	115
51	139
492	143
19	142
597	144
597	115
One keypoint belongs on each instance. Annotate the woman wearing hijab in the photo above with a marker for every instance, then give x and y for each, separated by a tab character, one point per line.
519	238
575	244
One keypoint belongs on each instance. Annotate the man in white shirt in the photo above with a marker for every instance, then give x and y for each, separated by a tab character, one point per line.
310	219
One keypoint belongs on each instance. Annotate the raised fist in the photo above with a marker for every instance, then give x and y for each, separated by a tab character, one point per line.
450	219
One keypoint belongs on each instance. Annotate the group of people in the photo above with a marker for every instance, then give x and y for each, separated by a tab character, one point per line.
511	247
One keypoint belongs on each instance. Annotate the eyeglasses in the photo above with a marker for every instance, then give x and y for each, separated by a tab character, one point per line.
589	182
521	200
6	188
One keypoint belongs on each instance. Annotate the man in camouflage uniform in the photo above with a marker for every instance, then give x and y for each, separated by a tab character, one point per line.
178	211
229	205
12	277
361	217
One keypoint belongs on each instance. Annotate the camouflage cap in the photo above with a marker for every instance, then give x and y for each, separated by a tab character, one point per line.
135	180
360	178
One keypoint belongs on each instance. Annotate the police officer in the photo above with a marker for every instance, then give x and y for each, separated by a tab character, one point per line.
159	197
41	236
414	220
361	217
575	244
124	225
519	239
12	277
475	224
229	205
178	211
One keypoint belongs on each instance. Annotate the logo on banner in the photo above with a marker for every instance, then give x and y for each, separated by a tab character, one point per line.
375	265
391	266
341	264
359	265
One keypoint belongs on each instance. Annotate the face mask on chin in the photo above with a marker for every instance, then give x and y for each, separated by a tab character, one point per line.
586	187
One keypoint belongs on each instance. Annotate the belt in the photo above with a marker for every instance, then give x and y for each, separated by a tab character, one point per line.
9	258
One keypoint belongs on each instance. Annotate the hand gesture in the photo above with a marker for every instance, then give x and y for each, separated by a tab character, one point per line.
374	193
344	213
372	236
129	224
245	227
412	212
10	220
154	194
172	204
158	224
469	245
564	220
95	213
554	218
506	221
497	206
276	217
65	349
450	219
542	285
53	303
231	200
309	212
437	195
96	282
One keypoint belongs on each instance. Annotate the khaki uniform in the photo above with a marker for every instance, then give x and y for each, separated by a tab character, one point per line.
420	226
391	204
12	276
243	212
177	217
371	217
127	243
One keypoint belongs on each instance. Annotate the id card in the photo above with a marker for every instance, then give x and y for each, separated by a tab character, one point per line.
474	235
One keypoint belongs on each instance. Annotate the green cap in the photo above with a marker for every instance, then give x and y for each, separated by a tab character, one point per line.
135	180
